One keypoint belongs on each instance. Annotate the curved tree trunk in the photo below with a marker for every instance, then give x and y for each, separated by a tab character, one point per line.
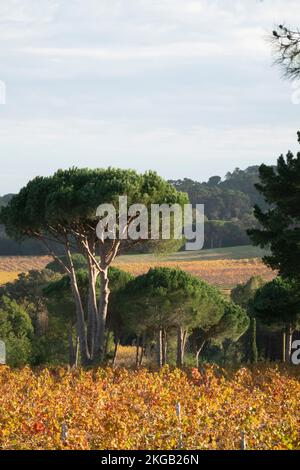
117	342
81	331
142	356
198	352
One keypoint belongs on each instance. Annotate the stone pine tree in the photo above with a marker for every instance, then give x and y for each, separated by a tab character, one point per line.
231	325
165	301
60	300
60	212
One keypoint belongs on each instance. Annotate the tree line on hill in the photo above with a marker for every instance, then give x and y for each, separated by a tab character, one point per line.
228	212
228	205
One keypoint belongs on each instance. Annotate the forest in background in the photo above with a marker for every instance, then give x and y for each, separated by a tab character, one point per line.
228	206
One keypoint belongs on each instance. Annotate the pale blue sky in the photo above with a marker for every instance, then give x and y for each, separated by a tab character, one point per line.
185	87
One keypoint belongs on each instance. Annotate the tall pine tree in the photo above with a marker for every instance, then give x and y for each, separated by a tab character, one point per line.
280	223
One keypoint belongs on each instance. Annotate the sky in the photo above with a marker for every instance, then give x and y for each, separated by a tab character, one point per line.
183	87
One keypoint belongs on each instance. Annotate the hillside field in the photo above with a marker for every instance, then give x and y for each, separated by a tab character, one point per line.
224	267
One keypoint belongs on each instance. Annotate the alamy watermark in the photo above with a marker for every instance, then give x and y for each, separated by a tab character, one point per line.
295	357
2	92
161	222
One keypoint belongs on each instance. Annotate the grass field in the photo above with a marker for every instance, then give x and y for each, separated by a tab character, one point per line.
223	267
235	252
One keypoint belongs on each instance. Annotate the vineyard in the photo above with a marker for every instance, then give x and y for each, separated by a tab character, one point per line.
22	263
136	409
221	273
128	409
8	276
224	273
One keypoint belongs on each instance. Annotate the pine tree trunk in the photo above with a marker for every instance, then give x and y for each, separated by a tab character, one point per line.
180	347
164	347
102	314
85	357
142	356
289	340
117	342
92	312
159	348
72	351
284	346
77	352
254	353
143	349
185	335
199	352
137	354
81	331
106	343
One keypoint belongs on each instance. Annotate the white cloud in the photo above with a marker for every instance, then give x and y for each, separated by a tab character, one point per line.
27	11
180	50
174	152
181	86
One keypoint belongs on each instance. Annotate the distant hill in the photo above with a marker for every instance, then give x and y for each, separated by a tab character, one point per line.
228	205
225	199
10	247
4	200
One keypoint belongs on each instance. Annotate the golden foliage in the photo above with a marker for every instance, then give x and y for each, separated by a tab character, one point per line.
221	273
7	276
23	263
127	409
